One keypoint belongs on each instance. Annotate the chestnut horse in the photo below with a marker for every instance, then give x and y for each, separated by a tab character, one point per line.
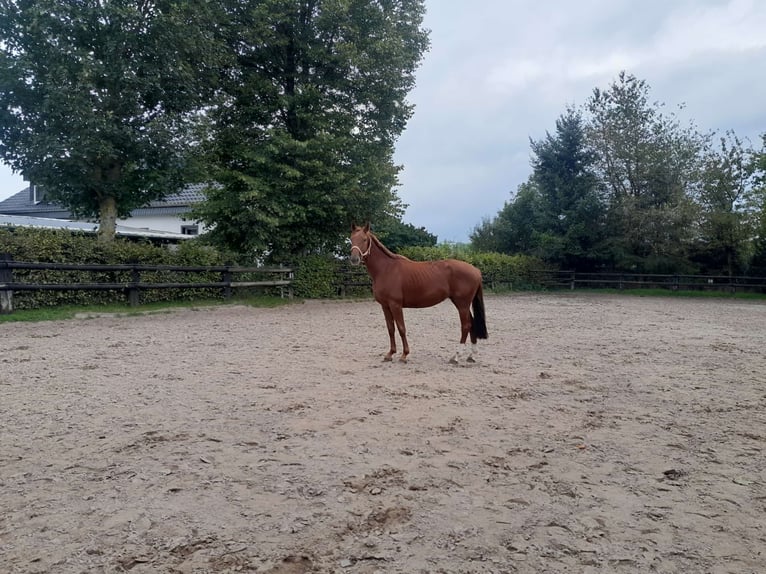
398	282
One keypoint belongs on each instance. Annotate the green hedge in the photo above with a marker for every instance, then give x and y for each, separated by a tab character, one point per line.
314	277
60	246
322	277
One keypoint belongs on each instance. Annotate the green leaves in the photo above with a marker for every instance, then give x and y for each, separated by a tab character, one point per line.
622	185
311	111
730	206
570	210
100	99
293	106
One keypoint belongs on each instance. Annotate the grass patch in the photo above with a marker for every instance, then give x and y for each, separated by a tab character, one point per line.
122	309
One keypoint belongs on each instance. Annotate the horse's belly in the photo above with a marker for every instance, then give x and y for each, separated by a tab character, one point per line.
419	300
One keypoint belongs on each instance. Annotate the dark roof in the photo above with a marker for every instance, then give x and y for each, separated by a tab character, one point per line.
188	196
21	203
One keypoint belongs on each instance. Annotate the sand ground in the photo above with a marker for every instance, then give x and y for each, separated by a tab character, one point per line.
600	434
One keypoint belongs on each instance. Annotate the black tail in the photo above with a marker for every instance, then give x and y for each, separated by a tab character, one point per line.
479	323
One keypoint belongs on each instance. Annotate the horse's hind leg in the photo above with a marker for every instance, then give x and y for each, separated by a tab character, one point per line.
465	328
474	348
391	333
474	338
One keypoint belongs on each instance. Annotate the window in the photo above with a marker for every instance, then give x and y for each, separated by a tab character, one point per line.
38	193
190	229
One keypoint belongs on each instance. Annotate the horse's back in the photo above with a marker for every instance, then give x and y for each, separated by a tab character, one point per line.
464	270
464	278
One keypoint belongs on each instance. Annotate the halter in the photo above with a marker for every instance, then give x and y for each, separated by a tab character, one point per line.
364	254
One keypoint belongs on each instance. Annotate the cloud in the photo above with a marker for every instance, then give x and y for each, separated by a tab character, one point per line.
730	28
502	71
682	35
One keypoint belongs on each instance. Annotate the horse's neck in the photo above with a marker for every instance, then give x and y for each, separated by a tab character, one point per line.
379	261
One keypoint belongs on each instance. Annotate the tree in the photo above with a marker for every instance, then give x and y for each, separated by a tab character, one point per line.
729	210
557	214
569	222
305	136
397	234
649	165
98	97
514	228
757	204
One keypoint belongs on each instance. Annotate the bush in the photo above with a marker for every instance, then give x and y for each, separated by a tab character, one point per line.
314	277
61	246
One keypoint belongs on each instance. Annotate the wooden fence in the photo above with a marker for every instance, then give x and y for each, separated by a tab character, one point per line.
671	282
134	284
348	281
352	281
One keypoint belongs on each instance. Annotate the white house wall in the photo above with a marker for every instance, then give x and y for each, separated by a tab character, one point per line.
159	223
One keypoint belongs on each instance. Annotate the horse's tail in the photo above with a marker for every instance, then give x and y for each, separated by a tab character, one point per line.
479	323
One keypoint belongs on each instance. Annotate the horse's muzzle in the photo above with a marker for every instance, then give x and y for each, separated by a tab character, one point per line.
355	259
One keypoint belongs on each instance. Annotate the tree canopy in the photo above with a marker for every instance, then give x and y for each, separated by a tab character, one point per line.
98	99
291	108
398	235
312	107
570	210
622	185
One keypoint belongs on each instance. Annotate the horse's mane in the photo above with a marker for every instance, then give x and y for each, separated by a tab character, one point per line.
385	249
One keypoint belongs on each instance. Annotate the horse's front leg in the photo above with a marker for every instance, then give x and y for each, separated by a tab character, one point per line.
398	314
391	333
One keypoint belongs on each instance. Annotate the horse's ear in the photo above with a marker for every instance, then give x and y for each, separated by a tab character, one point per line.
367	227
353	227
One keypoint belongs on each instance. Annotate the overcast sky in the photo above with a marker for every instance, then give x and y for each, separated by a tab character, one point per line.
502	71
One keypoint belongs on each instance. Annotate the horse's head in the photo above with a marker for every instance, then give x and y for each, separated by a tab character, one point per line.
361	242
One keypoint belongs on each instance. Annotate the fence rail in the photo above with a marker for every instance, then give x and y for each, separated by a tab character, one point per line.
131	280
351	280
673	282
347	279
133	285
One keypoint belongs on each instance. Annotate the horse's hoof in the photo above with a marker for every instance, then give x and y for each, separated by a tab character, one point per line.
387	359
402	359
453	361
470	360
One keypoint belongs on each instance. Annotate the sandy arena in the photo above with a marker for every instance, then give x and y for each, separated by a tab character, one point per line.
596	433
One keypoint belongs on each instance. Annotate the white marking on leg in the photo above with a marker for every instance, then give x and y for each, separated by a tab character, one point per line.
456	357
474	352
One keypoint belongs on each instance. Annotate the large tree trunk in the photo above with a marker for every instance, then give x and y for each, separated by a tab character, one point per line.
107	228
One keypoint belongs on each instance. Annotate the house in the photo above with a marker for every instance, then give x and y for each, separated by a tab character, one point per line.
88	227
162	216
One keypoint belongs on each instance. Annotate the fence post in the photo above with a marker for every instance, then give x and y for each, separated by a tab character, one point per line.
226	278
134	297
572	282
6	276
290	277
